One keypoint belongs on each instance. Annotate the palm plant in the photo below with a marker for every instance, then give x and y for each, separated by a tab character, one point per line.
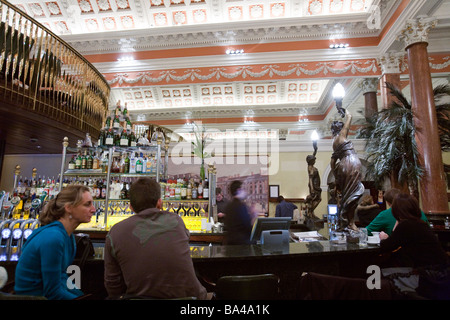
199	146
391	146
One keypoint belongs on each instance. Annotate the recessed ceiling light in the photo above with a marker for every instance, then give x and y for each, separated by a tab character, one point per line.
339	45
232	51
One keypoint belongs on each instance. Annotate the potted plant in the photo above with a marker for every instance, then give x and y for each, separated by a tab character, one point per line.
391	146
199	145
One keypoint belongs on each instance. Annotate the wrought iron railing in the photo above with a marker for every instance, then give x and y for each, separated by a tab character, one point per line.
45	75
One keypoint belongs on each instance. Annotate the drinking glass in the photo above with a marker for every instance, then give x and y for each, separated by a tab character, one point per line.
363	237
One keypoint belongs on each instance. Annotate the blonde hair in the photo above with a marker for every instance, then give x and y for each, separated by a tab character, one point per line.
55	208
366	200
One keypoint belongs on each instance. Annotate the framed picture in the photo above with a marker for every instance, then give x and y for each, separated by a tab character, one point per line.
274	191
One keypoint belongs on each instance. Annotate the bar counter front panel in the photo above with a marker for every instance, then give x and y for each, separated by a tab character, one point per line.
288	263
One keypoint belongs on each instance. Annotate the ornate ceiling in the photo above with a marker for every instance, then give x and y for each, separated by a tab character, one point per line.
239	64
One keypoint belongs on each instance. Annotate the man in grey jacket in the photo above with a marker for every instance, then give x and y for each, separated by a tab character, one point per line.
147	254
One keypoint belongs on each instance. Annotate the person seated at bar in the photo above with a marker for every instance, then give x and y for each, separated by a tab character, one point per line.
238	220
385	221
284	208
412	239
50	249
416	264
366	210
147	255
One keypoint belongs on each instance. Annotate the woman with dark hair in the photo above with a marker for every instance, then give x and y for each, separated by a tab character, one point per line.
413	242
50	249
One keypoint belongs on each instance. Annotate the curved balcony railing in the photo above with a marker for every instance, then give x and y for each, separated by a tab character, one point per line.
48	74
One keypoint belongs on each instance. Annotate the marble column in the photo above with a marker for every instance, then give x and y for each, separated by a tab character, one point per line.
390	66
433	189
370	87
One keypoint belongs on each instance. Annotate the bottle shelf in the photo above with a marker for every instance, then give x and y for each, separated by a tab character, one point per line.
100	173
139	149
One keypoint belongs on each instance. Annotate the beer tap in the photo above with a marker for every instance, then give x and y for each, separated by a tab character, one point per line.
27	228
16	235
5	238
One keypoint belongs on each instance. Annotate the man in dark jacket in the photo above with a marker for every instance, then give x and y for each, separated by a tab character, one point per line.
238	221
284	208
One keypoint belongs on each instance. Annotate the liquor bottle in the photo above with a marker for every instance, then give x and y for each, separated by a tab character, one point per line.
89	161
132	163
124	139
104	162
189	191
194	191
116	122
84	160
167	191
125	111
118	110
98	193
96	162
139	164
109	140
127	164
128	126
177	190
200	190
108	122
117	139
172	189
72	163
91	187
103	194
132	139
78	160
149	164
124	191
206	189
184	190
122	163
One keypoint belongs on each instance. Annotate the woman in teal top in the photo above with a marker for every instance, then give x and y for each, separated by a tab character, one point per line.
50	249
385	221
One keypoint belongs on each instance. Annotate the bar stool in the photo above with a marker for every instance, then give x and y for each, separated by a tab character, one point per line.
248	287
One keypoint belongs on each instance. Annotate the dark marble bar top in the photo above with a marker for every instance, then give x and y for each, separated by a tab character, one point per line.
216	252
313	248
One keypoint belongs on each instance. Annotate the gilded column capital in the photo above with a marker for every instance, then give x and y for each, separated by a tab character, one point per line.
416	30
390	62
369	85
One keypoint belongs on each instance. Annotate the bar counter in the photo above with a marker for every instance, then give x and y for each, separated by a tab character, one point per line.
288	263
195	237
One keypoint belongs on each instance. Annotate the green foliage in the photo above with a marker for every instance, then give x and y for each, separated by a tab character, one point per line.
201	137
391	145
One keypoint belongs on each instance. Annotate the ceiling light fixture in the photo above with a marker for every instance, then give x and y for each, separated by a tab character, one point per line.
248	120
125	59
232	51
339	45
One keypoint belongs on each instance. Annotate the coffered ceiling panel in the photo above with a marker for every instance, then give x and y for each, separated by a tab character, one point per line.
83	16
262	64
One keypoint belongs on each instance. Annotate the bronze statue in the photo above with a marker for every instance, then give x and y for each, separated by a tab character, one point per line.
347	171
314	197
